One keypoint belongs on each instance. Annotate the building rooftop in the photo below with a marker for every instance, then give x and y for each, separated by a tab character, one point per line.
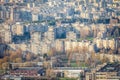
112	67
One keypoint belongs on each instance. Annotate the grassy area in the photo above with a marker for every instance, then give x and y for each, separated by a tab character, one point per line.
67	79
111	37
73	65
82	64
2	71
87	38
65	60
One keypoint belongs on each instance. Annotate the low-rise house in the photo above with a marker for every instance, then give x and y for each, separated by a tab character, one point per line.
28	72
70	72
107	72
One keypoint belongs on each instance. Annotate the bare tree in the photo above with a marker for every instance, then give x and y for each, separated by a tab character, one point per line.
28	56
